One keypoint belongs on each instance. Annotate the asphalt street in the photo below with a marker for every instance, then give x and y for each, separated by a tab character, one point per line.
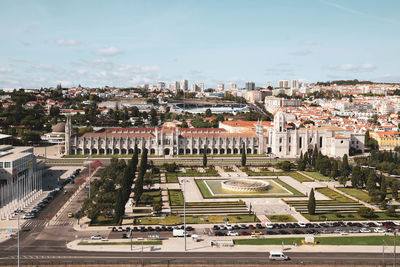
42	244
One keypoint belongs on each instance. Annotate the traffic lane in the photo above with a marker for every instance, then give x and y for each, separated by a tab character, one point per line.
243	258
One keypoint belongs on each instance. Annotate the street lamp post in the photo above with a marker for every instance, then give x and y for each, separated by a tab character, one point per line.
184	210
18	211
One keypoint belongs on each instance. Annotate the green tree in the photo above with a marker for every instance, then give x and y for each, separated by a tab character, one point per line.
366	212
371	183
208	113
311	203
345	168
391	212
394	187
243	156
204	157
356	177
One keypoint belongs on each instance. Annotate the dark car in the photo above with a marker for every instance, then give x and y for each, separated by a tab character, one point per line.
124	236
310	231
158	228
243	226
150	228
298	232
283	232
170	229
236	227
135	229
271	232
216	227
244	233
251	227
219	233
189	228
114	229
259	226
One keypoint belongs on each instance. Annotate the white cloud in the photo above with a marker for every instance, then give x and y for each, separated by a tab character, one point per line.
353	67
108	51
5	70
308	42
63	42
304	52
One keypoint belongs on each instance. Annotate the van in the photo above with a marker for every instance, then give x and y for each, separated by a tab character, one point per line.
179	233
278	256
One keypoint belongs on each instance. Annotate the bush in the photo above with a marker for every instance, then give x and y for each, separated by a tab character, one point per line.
391	212
366	212
170	167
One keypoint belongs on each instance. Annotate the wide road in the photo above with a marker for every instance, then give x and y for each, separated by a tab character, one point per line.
41	245
57	256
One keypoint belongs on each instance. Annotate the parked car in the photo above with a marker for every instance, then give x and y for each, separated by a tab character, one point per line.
244	233
97	237
379	230
216	227
257	233
301	224
228	226
232	233
120	229
365	230
219	233
325	231
354	230
29	216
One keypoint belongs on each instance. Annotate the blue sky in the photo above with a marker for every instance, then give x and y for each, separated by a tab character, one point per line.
125	43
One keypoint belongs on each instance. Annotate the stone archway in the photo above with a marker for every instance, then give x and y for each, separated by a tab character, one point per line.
166	151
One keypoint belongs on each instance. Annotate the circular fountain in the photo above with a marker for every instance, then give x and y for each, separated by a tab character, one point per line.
245	185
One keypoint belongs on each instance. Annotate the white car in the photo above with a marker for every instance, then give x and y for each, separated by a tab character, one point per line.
379	223
229	226
379	230
397	223
301	224
96	237
232	233
365	230
269	225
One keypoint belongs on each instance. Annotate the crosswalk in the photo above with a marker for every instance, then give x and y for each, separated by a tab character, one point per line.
62	223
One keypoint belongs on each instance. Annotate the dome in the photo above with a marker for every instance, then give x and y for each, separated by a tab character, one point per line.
58	128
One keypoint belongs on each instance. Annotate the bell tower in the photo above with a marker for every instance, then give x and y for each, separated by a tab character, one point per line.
68	130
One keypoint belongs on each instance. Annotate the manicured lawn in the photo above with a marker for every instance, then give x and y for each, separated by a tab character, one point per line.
334	195
150	197
172	177
101	220
177	220
300	177
357	193
281	218
318	176
105	243
175	197
332	240
279	192
347	216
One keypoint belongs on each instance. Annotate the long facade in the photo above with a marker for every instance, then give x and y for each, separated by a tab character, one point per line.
277	139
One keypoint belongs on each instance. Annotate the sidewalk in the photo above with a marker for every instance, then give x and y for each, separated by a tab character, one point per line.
177	245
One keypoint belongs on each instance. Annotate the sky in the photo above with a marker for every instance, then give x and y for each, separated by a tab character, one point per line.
127	43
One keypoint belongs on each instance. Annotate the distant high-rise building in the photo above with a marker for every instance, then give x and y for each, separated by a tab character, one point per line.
250	86
221	86
193	87
160	85
233	86
283	84
294	84
201	86
184	85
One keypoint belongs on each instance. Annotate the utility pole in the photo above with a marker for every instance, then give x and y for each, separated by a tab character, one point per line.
394	263
383	252
184	211
18	211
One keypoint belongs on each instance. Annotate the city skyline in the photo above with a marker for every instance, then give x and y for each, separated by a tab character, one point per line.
129	43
